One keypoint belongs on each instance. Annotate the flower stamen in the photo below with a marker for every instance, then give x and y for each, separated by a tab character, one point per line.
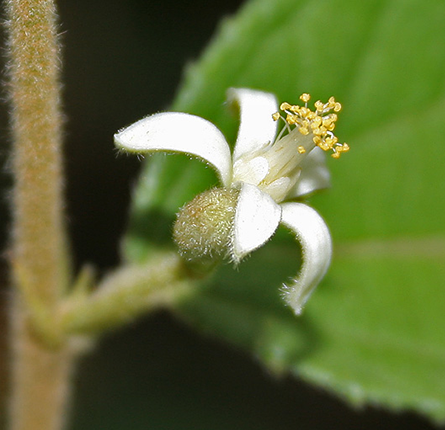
320	123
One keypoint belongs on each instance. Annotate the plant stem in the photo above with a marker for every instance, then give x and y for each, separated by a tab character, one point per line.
40	381
38	234
39	258
126	294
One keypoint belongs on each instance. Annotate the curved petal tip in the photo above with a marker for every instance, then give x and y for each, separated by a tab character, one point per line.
313	234
257	128
179	132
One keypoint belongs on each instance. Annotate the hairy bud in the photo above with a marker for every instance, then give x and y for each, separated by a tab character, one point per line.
203	228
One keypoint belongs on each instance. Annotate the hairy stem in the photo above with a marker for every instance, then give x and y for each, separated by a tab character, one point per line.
126	294
38	233
39	257
40	381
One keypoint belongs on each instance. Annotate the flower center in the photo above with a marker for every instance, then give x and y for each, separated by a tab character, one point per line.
276	167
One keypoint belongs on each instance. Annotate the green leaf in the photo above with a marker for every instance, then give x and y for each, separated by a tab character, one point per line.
373	331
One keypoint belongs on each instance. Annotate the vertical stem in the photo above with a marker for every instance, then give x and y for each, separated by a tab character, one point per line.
38	232
40	375
40	380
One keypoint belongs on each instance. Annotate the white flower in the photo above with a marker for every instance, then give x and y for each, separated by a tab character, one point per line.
267	170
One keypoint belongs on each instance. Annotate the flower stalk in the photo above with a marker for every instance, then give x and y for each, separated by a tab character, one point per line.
126	294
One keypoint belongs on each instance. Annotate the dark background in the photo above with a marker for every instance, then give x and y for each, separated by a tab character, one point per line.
123	60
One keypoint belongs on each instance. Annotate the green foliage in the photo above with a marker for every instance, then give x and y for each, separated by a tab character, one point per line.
373	331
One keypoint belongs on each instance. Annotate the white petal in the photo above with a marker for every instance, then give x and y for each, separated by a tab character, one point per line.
252	171
179	132
313	234
257	128
314	175
256	218
278	189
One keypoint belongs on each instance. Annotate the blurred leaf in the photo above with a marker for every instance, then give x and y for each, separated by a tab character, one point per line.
373	332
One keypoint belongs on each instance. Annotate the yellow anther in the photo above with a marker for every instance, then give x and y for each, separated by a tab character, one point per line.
301	149
319	106
291	119
327	122
285	106
337	107
329	142
276	116
316	122
317	140
305	97
304	131
304	111
317	131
